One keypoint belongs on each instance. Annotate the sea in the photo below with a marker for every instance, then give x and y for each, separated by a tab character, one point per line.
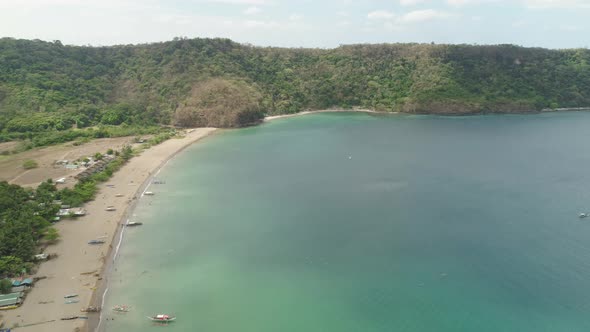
354	222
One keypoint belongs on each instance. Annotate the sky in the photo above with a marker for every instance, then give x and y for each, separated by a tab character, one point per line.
302	23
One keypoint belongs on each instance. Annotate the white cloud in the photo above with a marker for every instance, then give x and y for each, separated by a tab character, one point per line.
112	4
568	27
558	4
410	2
458	3
381	15
461	3
241	2
423	15
519	23
252	10
261	24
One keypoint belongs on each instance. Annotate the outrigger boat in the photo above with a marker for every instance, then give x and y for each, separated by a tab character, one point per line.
121	308
162	318
133	223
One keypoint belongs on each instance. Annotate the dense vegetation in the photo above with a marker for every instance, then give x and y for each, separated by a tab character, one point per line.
47	87
25	216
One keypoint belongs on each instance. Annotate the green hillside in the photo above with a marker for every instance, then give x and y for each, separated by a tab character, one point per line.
46	86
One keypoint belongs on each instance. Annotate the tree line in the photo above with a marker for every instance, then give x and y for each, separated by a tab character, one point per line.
46	86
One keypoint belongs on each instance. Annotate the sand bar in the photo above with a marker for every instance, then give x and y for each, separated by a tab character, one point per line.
79	266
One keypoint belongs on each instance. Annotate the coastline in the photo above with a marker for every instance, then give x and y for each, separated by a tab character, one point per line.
275	117
101	290
83	269
88	267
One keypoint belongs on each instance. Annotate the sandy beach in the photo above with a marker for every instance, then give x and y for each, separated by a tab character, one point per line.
79	267
274	117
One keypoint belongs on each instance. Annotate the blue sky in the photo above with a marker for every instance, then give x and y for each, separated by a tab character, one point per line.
303	23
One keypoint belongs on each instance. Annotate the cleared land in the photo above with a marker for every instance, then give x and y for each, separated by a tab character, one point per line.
11	166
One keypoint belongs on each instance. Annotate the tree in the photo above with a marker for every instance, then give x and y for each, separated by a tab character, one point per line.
30	164
10	266
5	286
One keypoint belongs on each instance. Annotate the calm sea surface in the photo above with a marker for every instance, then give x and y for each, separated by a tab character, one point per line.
355	222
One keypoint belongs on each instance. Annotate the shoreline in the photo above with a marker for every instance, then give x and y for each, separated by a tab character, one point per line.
83	269
282	116
101	291
42	306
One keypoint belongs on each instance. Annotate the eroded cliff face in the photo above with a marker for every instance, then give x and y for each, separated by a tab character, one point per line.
220	103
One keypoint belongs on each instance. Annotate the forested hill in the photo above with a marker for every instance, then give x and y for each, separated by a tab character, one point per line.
216	82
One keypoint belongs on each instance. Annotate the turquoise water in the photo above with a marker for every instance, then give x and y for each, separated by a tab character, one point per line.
355	222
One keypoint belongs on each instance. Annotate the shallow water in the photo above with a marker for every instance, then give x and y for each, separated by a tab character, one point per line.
355	222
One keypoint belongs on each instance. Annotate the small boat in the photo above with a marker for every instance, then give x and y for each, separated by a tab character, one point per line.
133	223
9	307
69	296
119	195
162	318
121	308
95	242
72	301
69	317
91	309
110	208
583	215
149	193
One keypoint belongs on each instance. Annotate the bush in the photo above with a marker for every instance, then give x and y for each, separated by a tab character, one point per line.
98	156
30	164
127	152
51	236
10	265
5	286
110	152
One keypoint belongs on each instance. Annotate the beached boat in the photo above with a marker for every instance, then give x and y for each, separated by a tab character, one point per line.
72	301
110	208
9	307
121	308
149	193
91	309
133	223
95	242
69	296
161	318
